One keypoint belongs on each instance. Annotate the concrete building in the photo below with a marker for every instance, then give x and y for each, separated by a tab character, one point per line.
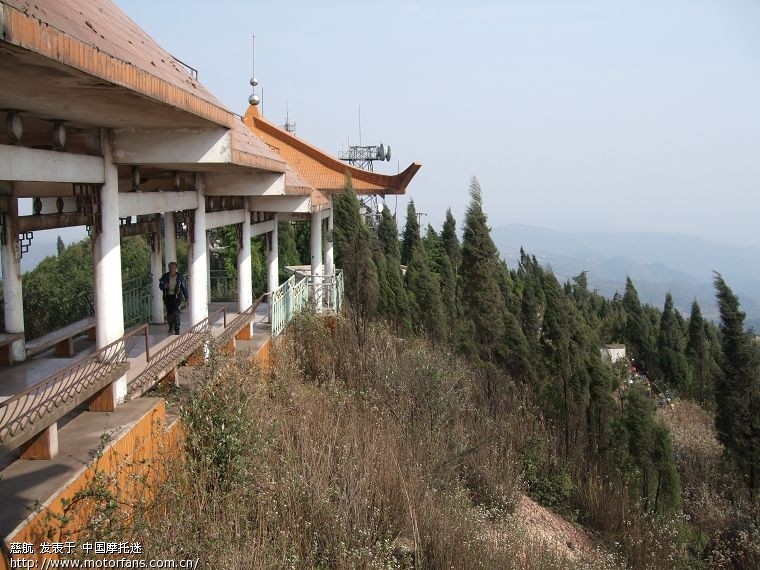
106	129
613	353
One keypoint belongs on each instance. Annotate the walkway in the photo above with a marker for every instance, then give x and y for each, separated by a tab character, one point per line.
52	387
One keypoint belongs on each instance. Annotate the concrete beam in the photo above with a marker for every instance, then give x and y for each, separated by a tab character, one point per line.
51	221
42	189
171	146
280	204
141	203
259	228
254	183
224	218
33	165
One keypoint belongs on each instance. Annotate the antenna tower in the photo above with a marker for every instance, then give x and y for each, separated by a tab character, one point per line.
288	126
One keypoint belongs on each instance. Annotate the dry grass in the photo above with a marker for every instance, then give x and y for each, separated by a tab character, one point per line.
357	451
715	502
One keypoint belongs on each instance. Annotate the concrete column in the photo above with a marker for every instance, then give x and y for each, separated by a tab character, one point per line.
198	260
244	276
170	240
109	309
208	271
156	270
316	257
10	253
273	260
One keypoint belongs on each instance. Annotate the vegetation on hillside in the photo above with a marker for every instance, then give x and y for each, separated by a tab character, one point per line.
609	453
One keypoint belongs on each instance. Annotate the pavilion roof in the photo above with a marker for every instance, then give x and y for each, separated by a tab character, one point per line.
322	170
97	37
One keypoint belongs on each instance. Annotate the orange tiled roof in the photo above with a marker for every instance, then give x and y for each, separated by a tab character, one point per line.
96	37
249	150
323	171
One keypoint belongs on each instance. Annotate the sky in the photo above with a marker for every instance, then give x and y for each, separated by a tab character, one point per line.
587	115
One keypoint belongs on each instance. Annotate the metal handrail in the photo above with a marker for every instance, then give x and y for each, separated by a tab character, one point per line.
177	350
237	324
24	409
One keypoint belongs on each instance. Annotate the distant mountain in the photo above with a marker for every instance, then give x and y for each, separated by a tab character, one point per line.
656	262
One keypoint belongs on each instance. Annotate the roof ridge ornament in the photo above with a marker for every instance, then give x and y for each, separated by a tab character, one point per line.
253	99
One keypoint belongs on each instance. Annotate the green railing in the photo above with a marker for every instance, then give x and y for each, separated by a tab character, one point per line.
286	301
325	293
137	295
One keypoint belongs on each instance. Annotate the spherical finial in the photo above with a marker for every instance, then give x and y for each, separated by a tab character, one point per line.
254	99
254	82
59	135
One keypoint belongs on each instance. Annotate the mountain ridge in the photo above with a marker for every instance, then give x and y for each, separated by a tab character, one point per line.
657	262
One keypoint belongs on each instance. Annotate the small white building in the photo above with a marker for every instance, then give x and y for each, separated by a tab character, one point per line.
613	352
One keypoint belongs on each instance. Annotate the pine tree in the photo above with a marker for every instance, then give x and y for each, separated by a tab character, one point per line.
481	299
671	347
411	233
737	394
59	246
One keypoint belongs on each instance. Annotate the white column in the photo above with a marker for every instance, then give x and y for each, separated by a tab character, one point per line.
198	260
273	261
170	240
109	310
12	291
156	270
208	270
316	256
244	277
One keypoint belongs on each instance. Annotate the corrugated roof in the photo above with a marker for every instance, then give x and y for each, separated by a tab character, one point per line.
91	34
322	170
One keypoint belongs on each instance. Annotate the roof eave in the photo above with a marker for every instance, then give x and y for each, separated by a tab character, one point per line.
36	36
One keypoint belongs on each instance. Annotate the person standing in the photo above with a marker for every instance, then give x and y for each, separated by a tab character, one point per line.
172	283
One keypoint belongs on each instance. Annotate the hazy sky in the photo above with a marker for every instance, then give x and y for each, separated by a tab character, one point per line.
574	115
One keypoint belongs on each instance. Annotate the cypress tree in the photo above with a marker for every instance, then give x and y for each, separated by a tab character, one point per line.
737	394
481	299
440	264
699	355
397	307
647	453
287	251
411	233
351	239
451	241
638	329
671	349
424	294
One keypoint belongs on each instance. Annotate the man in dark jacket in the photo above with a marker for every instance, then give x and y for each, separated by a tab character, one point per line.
173	285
